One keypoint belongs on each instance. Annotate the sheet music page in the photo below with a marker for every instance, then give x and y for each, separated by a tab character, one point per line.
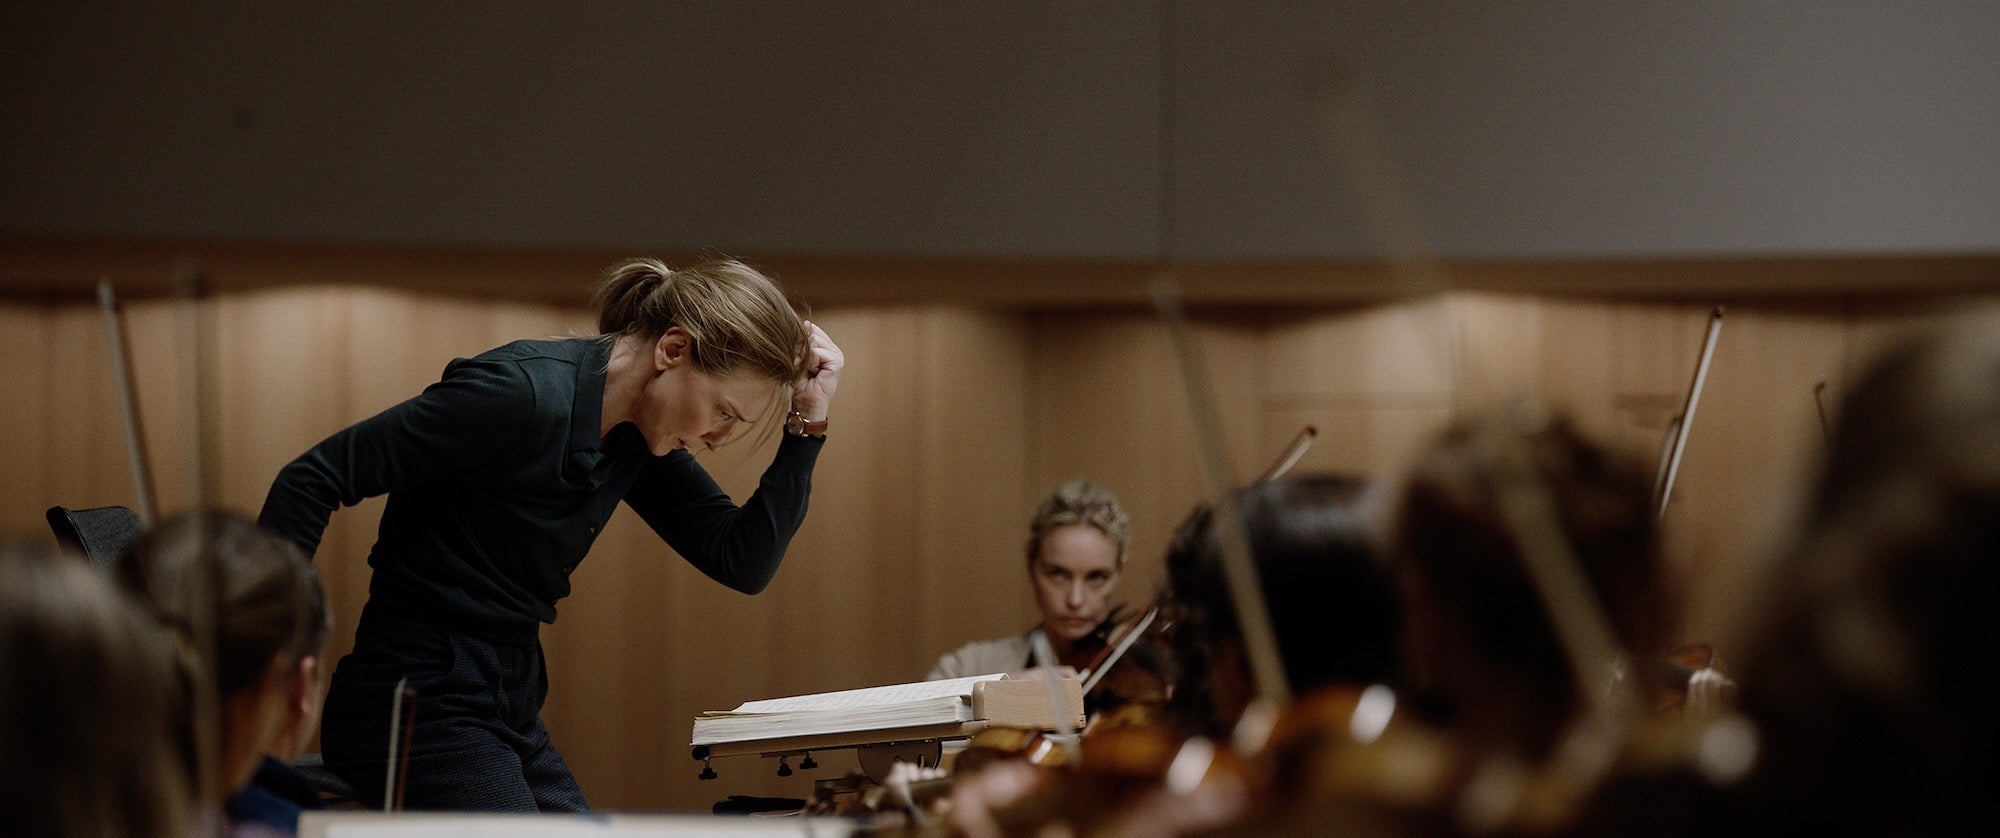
345	824
864	697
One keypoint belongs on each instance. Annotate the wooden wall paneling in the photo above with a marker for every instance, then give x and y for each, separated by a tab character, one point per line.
842	613
1577	360
1366	441
510	320
1756	429
35	266
1501	350
847	602
282	383
84	439
26	341
163	335
972	490
1404	353
283	369
1377	382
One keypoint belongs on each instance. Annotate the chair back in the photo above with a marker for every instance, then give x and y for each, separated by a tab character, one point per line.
101	533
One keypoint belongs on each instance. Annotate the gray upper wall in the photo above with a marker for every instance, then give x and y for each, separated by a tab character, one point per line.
1132	129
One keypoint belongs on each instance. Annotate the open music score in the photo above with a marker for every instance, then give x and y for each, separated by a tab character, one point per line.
915	712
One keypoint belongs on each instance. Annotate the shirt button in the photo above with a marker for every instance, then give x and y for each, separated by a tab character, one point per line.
590	530
569	568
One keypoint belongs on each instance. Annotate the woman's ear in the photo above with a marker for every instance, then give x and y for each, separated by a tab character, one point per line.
670	349
302	700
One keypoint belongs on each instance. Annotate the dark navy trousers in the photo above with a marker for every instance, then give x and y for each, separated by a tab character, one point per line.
478	744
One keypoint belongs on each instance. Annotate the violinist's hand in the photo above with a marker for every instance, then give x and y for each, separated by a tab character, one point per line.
1710	692
812	394
902	775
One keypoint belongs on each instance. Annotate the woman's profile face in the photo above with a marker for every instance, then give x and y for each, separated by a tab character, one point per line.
683	407
1074	578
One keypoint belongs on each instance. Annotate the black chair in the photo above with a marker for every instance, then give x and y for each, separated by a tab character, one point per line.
102	533
333	791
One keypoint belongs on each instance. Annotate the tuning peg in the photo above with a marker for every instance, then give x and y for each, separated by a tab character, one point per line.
707	771
784	770
808	762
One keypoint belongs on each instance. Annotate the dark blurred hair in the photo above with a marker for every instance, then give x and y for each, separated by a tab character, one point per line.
1464	574
1314	540
264	599
1864	665
93	707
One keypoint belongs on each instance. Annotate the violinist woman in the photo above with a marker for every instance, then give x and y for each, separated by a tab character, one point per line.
1314	542
500	476
1076	551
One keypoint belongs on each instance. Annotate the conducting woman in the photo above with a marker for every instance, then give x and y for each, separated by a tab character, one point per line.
500	475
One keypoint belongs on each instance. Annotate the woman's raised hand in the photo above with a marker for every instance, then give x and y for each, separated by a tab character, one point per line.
813	393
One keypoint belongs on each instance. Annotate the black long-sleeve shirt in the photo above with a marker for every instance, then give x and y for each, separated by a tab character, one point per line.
498	484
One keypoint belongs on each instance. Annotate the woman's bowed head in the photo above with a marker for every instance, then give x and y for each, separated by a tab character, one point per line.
701	353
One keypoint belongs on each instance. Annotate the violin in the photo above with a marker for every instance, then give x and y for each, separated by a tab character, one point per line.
1693	678
1124	663
1129	779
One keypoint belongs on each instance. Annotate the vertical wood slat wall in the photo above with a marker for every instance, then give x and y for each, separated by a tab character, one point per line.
949	424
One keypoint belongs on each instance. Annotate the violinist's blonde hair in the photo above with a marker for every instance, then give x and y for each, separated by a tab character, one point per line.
95	707
1079	502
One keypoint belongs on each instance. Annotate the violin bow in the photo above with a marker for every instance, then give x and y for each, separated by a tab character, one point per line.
1253	615
1096	673
128	399
202	605
1290	456
1045	660
1686	421
1527	505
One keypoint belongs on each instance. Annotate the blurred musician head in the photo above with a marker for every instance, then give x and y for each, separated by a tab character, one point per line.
1863	667
1076	553
94	731
264	607
1315	540
1481	653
